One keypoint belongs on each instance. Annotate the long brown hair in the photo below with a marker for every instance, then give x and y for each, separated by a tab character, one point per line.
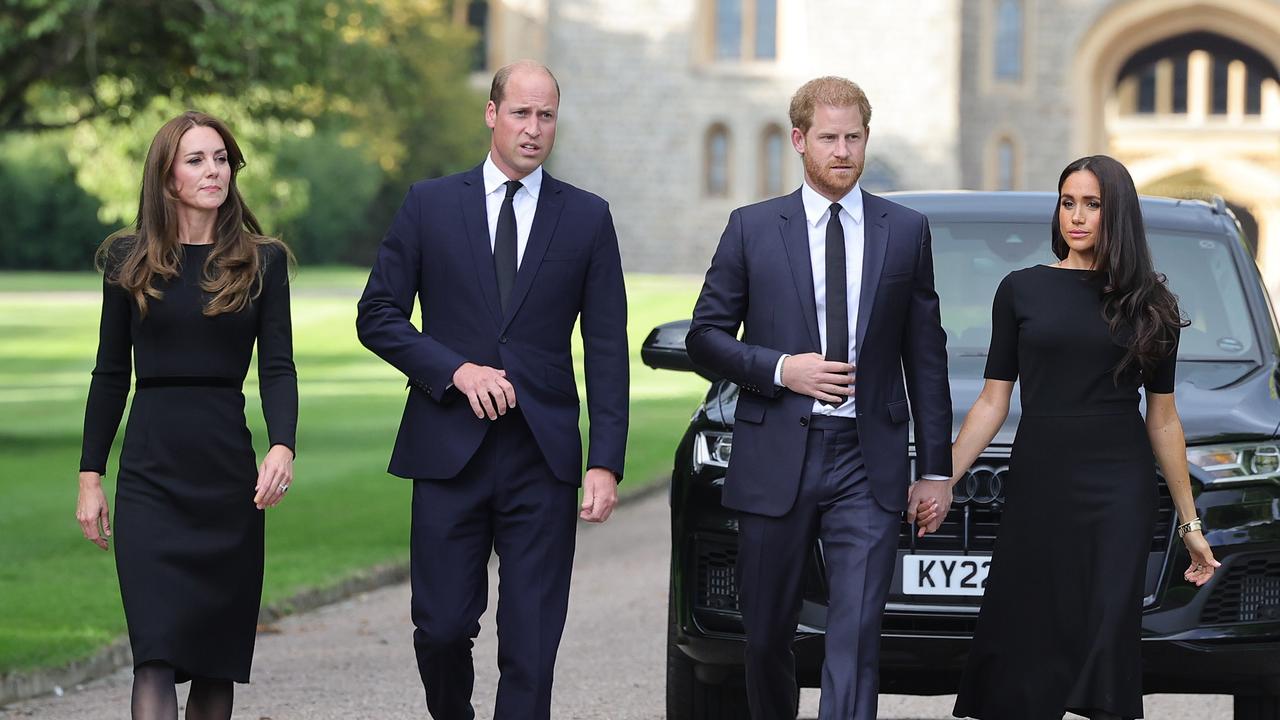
134	257
1136	303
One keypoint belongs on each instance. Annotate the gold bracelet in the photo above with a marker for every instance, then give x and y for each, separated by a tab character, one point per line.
1190	526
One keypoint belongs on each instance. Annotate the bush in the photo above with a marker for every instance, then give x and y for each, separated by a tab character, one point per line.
48	221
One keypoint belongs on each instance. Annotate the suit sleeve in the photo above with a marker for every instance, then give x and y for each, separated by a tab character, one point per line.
383	314
924	365
713	341
277	375
604	344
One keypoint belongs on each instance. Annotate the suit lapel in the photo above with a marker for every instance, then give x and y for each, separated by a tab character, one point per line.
545	219
795	238
475	218
875	244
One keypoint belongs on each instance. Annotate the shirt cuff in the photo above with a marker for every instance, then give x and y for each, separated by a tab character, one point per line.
777	371
934	477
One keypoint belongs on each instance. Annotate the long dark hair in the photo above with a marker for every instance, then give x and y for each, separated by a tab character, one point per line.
233	272
1136	303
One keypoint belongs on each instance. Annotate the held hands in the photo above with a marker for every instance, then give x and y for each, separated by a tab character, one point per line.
274	476
486	388
599	494
91	510
1202	560
811	374
928	502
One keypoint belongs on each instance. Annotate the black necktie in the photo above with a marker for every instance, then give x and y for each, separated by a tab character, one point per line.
504	245
837	293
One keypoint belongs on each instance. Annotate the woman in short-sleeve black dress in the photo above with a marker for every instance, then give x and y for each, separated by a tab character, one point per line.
1060	627
189	494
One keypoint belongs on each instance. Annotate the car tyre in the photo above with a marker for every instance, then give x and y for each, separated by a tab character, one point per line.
691	698
1257	707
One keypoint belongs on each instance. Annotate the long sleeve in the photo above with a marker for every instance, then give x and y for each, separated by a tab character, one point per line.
713	341
604	341
110	385
382	316
924	365
277	376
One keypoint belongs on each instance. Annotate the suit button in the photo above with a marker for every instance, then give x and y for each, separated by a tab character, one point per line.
503	339
804	422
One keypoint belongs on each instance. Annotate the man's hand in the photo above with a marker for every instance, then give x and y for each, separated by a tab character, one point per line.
928	502
486	389
811	374
599	494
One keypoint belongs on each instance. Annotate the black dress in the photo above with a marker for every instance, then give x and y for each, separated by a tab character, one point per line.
188	538
1060	625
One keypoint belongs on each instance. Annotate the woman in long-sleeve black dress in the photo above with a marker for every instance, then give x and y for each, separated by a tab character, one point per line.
187	293
1060	627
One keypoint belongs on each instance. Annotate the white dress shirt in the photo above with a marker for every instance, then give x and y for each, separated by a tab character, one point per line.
817	213
524	203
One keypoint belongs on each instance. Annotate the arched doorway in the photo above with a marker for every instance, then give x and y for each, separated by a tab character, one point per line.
1187	94
1196	185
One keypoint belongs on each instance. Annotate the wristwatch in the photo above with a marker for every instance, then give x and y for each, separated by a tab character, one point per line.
1190	526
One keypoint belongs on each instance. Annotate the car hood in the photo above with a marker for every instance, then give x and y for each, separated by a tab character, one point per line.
1217	401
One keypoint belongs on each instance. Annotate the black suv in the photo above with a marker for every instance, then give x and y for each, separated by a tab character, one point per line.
1222	638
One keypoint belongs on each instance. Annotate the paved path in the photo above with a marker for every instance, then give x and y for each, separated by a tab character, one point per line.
355	659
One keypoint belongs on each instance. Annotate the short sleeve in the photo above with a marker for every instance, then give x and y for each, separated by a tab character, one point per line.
1160	380
1002	356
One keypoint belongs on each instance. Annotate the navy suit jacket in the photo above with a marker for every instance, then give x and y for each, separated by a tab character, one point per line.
761	278
438	252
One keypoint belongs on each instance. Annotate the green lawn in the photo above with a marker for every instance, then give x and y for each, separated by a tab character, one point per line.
58	595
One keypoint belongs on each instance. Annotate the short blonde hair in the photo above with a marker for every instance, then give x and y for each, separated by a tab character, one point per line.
829	90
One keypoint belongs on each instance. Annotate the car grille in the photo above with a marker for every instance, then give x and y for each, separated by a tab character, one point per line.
1250	592
717	587
979	504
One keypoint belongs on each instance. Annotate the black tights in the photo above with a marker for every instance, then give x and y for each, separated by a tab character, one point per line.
155	697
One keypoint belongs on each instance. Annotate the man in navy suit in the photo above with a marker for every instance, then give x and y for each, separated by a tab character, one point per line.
503	260
835	289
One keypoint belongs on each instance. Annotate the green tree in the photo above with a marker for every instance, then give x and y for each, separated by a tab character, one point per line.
54	54
49	221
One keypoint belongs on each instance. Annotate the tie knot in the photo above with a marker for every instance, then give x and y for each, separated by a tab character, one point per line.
513	186
835	210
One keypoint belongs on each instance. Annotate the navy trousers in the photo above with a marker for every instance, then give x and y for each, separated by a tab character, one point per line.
505	500
859	541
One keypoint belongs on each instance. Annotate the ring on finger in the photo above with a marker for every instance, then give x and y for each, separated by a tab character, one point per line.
284	488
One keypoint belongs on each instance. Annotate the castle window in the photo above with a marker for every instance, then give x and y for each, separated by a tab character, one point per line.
744	29
1008	37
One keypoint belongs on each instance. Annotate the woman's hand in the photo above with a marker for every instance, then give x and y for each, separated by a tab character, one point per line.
275	474
1202	560
91	510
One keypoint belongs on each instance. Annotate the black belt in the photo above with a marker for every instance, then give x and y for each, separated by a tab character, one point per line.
187	381
832	422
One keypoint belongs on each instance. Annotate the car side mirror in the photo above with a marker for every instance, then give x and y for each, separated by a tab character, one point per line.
664	349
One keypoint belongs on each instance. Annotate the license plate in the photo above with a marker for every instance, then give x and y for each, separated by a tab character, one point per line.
944	574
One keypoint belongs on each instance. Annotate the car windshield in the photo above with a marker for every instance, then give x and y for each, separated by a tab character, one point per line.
970	259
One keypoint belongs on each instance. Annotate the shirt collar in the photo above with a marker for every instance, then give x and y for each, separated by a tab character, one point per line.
494	178
817	206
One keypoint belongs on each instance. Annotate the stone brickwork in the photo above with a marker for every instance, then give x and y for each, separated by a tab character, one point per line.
640	94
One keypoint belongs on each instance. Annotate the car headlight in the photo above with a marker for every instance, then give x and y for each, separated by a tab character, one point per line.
712	448
1238	462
